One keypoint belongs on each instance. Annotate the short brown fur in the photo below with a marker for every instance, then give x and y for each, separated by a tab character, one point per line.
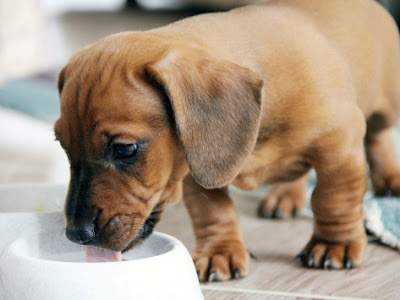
254	96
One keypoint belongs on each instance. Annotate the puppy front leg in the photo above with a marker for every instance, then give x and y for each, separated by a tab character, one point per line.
339	238
220	253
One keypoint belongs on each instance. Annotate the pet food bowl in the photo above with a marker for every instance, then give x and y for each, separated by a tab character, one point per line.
49	267
29	209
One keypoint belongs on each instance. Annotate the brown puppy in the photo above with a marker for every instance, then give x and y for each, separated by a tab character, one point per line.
254	96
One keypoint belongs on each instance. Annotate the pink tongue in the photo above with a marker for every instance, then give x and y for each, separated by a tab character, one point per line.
95	254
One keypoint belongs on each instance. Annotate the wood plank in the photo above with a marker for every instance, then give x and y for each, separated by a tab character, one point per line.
276	243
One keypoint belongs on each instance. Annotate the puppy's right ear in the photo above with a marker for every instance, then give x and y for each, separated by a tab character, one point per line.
216	105
61	81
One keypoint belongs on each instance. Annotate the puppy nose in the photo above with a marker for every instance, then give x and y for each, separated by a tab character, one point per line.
82	235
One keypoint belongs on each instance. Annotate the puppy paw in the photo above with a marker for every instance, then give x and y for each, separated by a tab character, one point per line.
387	186
329	255
221	262
282	203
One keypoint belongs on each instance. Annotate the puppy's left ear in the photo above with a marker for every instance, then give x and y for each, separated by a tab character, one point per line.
61	81
217	109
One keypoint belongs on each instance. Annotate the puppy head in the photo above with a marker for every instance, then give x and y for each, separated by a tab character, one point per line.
137	114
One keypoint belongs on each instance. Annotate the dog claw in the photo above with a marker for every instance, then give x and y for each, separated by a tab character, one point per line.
213	276
348	263
295	212
236	274
253	256
302	256
385	192
327	263
263	213
310	262
277	214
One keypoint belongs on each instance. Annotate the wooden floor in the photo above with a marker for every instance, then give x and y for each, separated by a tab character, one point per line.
275	274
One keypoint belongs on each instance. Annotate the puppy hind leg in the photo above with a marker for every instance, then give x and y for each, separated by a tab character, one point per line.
384	168
220	253
284	200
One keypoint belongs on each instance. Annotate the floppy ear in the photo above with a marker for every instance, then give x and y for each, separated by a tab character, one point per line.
61	80
217	108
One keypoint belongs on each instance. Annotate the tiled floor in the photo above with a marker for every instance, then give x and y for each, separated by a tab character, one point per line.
276	274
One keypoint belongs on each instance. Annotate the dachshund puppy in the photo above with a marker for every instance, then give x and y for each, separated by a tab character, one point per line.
258	95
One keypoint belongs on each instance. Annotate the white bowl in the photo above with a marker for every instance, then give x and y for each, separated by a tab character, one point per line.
49	267
26	209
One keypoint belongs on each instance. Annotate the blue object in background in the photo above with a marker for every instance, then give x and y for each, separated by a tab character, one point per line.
37	97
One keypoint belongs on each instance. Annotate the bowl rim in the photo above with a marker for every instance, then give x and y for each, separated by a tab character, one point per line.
176	244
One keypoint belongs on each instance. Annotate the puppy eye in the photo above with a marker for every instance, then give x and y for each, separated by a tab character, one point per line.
122	151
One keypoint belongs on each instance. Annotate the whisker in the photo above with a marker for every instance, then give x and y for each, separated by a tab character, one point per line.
192	186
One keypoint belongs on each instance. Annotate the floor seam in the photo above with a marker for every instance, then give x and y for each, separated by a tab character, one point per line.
276	293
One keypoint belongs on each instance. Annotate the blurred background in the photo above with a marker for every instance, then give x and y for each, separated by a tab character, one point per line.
36	39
